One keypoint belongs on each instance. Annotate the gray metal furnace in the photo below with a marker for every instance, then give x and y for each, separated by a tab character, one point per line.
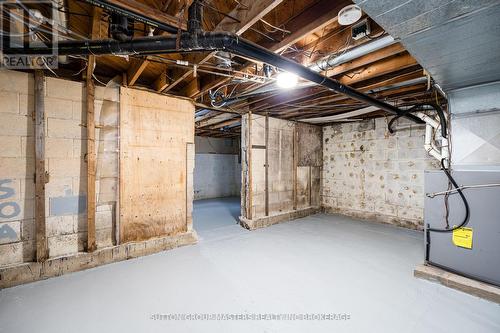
482	260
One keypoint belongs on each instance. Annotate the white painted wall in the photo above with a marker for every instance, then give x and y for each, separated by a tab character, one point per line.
216	176
217	172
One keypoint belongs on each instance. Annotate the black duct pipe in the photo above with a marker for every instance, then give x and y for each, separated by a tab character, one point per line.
195	41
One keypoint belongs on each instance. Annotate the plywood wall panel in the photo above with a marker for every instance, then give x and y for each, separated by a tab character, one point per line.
154	133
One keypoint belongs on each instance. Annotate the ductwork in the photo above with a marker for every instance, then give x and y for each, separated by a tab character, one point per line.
326	64
334	60
196	40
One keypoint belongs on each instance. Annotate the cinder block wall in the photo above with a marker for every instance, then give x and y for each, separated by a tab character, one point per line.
371	174
217	171
17	168
65	149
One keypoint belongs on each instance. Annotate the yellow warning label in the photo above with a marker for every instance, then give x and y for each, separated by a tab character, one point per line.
463	237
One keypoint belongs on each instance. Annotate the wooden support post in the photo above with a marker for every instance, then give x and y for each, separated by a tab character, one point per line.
295	156
310	186
42	252
266	166
91	165
91	155
249	167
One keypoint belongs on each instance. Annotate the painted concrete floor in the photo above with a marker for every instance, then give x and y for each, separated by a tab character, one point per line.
319	264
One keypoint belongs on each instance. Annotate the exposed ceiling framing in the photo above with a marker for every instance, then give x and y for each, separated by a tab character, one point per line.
303	30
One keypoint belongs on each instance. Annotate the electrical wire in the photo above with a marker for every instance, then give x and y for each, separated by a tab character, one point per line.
462	196
420	107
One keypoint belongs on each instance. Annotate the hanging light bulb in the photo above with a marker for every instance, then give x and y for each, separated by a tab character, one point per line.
286	80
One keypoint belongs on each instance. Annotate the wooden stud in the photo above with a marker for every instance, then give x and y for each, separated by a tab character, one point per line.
266	166
295	157
249	167
91	154
42	252
135	70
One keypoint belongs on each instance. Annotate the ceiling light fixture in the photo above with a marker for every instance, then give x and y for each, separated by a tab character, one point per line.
286	80
349	15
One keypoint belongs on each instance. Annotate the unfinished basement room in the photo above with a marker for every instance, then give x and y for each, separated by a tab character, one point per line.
250	166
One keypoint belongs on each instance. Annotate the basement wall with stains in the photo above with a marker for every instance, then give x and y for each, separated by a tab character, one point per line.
157	116
371	174
281	170
65	153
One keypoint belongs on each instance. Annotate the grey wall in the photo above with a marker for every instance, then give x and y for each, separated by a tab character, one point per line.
475	127
217	171
370	174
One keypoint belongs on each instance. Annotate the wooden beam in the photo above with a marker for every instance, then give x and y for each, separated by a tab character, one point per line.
376	69
224	123
313	19
248	15
42	252
143	9
135	70
162	81
192	88
91	155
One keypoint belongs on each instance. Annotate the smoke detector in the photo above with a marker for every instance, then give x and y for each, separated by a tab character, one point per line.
349	15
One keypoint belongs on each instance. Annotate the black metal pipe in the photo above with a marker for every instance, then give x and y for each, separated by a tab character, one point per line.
208	41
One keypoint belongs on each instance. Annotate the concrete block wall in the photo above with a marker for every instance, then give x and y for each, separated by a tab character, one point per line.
217	170
371	174
17	168
65	149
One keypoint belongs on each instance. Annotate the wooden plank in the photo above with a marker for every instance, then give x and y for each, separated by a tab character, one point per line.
135	70
154	131
42	252
458	282
143	9
91	153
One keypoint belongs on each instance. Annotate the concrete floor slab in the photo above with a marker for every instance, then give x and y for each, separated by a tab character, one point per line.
318	264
